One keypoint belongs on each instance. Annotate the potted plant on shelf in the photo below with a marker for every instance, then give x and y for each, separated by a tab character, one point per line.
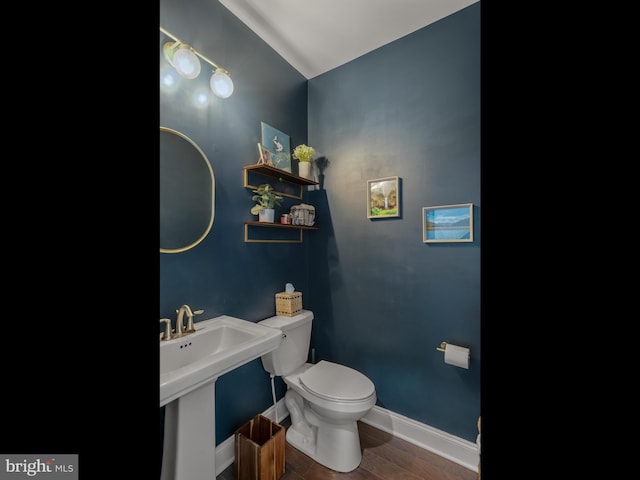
266	199
304	154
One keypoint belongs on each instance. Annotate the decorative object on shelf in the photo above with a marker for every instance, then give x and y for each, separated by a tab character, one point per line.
266	199
278	144
303	214
264	155
184	59
383	197
266	215
304	170
447	223
304	154
285	219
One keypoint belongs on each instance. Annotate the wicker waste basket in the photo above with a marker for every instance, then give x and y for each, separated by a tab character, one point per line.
259	450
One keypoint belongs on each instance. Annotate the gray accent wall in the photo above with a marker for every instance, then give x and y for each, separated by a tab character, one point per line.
383	299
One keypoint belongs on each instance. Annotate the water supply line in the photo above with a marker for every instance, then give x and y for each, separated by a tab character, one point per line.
273	394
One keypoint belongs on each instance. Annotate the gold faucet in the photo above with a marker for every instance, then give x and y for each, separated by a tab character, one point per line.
181	328
166	335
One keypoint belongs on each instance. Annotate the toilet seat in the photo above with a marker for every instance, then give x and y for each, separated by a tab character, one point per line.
335	382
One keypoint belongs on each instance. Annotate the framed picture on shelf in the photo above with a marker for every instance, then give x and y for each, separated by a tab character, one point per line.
447	223
383	197
264	156
278	144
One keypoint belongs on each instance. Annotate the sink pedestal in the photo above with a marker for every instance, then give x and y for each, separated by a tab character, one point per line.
189	368
189	449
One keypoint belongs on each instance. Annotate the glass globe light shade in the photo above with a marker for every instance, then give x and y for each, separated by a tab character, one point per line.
186	63
221	84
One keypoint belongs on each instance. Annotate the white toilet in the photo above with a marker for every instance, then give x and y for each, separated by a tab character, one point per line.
325	400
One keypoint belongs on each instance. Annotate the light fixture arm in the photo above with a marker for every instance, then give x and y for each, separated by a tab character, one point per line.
210	62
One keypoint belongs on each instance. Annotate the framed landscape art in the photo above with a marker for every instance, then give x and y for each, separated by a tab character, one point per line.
383	197
447	223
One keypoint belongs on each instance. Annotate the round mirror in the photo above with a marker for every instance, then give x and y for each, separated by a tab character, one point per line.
187	192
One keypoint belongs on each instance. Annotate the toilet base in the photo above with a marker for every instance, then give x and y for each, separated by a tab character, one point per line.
336	446
306	444
300	434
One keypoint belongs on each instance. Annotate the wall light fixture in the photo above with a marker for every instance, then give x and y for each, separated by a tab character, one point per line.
184	58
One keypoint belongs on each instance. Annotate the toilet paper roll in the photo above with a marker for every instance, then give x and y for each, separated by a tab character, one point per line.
455	355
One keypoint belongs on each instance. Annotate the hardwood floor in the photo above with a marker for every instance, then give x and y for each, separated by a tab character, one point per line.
384	457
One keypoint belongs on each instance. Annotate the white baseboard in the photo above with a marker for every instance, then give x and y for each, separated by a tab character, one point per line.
453	448
441	443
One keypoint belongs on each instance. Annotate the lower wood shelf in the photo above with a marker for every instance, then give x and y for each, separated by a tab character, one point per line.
276	226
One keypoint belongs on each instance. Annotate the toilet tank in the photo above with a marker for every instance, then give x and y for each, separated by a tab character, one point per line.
294	347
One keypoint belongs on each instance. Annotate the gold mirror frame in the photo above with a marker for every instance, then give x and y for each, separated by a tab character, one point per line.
186	244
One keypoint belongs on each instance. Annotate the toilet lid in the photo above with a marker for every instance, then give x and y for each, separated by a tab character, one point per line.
336	382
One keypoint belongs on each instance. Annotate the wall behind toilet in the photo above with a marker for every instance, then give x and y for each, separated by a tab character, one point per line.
383	300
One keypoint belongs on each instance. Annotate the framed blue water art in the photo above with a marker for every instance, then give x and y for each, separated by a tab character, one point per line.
278	144
447	223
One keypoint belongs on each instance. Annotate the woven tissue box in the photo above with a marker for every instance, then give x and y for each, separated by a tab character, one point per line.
288	304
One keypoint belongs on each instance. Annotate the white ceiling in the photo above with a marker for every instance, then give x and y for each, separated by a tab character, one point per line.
315	36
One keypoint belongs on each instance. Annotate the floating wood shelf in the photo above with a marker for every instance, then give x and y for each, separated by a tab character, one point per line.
300	228
278	173
281	176
280	225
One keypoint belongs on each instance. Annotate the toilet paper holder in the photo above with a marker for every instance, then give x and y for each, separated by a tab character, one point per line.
455	355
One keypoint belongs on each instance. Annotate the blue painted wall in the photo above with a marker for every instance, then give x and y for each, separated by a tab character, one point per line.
223	274
383	299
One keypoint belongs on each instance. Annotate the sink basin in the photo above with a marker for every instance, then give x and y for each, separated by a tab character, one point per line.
217	346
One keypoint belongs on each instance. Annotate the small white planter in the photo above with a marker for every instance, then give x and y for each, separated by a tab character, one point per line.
304	170
266	215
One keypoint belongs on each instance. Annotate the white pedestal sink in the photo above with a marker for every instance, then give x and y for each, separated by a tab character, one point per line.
189	367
